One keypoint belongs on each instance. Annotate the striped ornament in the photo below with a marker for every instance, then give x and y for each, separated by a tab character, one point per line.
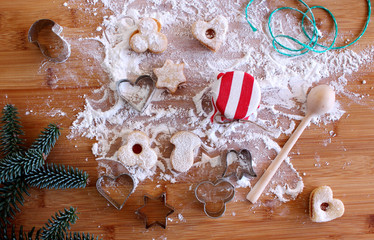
236	95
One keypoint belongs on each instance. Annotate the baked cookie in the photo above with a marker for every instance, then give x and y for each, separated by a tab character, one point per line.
148	37
323	207
211	34
137	151
182	156
170	76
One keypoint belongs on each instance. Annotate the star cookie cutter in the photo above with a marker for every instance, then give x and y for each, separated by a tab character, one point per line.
215	196
145	217
112	190
244	169
33	37
133	98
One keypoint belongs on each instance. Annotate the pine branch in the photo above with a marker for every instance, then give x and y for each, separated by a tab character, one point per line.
11	131
47	139
80	236
14	165
56	228
11	196
21	234
57	177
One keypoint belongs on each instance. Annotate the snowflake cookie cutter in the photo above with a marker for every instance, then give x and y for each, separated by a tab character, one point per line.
169	210
33	37
133	99
106	184
215	196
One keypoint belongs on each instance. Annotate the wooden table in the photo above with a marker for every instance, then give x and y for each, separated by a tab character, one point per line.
350	154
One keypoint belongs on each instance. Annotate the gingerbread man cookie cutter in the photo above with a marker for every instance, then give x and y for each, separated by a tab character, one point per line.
33	37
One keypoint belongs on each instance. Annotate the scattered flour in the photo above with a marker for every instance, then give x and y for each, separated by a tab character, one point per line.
284	84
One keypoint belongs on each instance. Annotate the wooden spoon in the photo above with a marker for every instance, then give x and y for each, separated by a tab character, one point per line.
320	100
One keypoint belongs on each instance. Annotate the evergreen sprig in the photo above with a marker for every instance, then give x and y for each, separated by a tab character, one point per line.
10	131
57	177
80	236
56	228
47	139
21	234
20	167
11	196
16	164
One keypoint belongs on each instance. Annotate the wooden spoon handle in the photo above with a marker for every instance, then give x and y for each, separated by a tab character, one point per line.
261	184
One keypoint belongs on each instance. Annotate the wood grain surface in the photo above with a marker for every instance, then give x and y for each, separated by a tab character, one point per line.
350	154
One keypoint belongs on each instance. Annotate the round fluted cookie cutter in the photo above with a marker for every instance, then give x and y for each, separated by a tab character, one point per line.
33	37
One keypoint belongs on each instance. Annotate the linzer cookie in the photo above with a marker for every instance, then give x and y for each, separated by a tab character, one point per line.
148	37
137	151
170	76
211	34
323	207
236	95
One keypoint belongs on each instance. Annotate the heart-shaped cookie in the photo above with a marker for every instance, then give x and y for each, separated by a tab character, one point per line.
138	94
211	34
116	190
323	207
214	196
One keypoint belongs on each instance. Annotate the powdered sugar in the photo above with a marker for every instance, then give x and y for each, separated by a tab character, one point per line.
284	83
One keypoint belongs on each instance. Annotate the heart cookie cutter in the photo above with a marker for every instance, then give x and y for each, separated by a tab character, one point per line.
215	196
33	37
128	182
245	160
143	103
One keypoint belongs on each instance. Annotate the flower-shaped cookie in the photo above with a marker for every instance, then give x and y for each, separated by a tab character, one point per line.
137	151
148	37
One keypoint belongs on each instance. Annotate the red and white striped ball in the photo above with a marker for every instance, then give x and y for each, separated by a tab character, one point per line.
236	95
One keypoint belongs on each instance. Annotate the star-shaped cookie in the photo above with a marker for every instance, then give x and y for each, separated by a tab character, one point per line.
155	211
170	76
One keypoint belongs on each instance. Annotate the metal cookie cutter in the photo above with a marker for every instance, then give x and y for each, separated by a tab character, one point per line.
245	167
116	190
33	37
138	94
214	196
166	211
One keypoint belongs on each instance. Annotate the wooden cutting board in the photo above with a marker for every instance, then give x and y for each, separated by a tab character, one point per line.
350	154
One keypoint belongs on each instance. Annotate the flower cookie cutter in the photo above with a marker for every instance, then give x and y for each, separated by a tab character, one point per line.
215	196
168	211
33	37
135	94
116	190
244	169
